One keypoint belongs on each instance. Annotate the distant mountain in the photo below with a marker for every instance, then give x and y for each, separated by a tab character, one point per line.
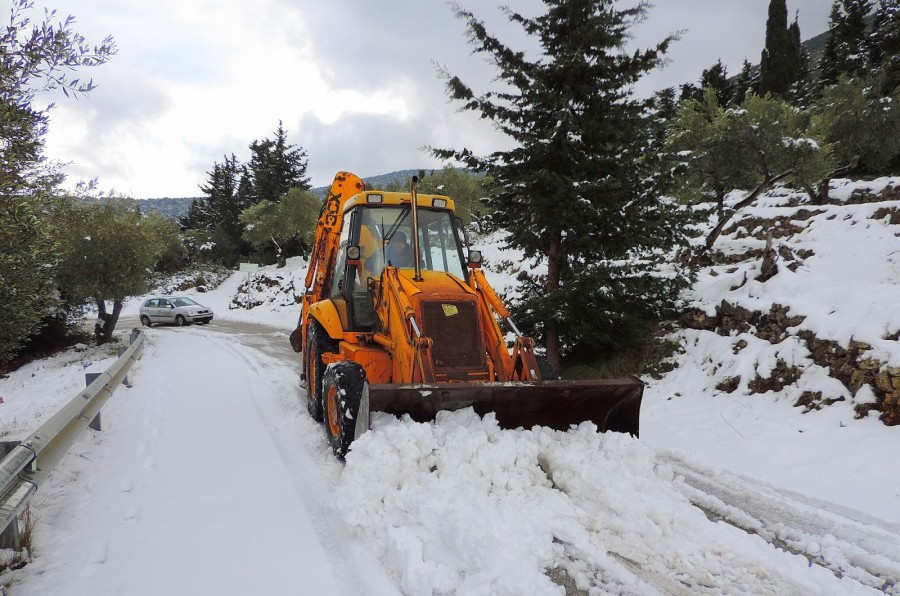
381	180
176	207
172	207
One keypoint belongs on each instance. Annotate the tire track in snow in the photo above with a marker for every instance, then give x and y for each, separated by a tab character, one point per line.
847	543
707	557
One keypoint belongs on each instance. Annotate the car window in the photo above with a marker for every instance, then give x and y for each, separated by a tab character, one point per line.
150	303
184	302
164	303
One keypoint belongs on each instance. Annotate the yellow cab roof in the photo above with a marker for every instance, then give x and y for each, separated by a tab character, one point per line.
397	198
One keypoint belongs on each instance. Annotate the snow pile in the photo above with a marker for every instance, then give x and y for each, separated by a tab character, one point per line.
278	288
462	507
201	280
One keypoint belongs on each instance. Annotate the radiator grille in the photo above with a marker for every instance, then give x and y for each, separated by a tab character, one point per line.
453	328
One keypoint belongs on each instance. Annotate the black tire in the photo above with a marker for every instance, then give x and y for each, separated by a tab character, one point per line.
545	369
145	321
317	342
180	320
343	388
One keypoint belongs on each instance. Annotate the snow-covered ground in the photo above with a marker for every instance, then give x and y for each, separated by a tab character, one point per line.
209	477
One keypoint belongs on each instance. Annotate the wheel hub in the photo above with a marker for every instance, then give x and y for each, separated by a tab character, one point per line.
334	412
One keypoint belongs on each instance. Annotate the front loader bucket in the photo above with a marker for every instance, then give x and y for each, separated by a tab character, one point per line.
611	404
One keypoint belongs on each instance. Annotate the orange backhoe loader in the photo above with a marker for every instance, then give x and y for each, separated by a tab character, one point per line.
398	317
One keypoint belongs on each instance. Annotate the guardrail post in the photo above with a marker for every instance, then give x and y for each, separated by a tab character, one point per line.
11	537
88	379
126	381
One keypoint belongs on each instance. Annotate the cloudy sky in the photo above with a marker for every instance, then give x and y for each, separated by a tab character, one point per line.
353	81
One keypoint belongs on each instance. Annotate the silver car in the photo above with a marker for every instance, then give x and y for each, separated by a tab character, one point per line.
174	310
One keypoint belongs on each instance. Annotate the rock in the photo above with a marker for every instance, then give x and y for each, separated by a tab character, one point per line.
786	253
728	384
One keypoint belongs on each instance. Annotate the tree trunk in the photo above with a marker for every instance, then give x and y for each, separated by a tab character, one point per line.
763	187
106	322
824	187
551	328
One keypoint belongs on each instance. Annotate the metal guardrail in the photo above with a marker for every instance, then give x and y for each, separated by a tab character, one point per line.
27	465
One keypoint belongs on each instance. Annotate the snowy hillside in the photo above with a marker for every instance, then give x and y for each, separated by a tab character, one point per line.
793	379
771	422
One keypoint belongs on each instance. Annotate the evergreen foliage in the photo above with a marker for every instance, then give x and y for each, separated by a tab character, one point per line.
847	46
580	191
34	57
287	226
716	78
702	136
779	66
213	227
884	45
862	125
275	167
766	141
108	252
743	84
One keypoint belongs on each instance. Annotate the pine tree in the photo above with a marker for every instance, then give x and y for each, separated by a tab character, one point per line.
222	207
779	66
847	47
884	48
578	192
743	84
276	167
716	78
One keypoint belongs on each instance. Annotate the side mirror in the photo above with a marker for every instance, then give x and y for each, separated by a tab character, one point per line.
171	305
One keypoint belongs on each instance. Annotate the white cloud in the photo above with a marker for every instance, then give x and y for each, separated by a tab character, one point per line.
196	80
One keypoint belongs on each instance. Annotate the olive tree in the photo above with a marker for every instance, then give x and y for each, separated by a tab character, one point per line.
287	225
108	253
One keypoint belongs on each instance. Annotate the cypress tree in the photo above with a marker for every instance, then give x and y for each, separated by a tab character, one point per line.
779	66
579	191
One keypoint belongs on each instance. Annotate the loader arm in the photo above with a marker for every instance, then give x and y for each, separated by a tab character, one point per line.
324	250
521	365
401	332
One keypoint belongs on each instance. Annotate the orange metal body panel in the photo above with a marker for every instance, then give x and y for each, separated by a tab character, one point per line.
397	351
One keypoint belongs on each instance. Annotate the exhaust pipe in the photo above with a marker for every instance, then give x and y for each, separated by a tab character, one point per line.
414	191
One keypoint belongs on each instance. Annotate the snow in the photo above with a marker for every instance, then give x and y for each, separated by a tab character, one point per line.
210	477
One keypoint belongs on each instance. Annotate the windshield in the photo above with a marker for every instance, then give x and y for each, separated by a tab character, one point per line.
385	237
184	302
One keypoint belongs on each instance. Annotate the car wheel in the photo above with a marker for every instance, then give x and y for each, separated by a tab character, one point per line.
145	321
180	321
